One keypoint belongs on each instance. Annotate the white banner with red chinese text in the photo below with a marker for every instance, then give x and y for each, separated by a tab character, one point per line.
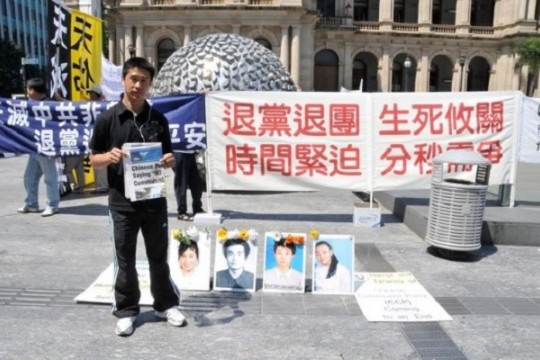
291	141
529	142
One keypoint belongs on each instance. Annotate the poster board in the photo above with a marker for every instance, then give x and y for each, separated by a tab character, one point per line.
398	297
190	265
235	263
101	291
327	277
284	262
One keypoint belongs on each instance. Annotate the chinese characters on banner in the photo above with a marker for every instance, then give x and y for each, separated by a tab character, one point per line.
59	47
295	141
74	51
288	141
410	132
56	128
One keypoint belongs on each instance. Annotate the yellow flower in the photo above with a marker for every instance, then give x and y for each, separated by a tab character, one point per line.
314	234
244	234
222	234
176	234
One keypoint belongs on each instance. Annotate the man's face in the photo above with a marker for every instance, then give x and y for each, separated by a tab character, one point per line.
236	257
283	256
136	84
93	96
31	94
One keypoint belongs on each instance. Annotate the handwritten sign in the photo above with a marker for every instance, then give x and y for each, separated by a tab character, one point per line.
396	297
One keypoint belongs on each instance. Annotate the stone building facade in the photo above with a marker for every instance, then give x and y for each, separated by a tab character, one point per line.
375	45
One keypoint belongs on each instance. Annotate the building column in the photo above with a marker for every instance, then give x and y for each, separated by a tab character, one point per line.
385	72
463	16
386	10
422	73
347	67
112	46
386	14
120	45
139	37
531	10
505	69
284	55
500	13
295	56
128	40
187	34
424	15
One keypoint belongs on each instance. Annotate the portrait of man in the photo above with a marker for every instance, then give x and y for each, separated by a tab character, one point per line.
284	262
235	264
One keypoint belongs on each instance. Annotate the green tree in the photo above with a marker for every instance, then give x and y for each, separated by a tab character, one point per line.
10	68
529	55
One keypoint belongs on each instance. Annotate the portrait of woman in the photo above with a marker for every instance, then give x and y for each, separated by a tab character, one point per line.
236	260
331	276
189	260
284	262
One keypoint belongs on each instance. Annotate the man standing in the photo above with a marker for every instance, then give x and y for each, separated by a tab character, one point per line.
186	176
40	165
95	93
132	119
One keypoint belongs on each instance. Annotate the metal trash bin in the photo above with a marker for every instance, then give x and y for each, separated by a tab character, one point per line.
456	205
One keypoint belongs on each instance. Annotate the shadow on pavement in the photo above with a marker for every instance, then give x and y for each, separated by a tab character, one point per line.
462	256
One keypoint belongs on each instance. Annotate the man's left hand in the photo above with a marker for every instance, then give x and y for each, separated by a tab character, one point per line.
167	160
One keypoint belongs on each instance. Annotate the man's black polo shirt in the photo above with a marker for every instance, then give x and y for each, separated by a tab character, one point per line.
117	126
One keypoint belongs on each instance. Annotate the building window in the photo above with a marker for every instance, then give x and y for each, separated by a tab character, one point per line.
165	49
327	8
482	12
444	12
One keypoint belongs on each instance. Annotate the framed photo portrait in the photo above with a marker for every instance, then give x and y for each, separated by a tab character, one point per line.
189	259
284	262
235	265
333	264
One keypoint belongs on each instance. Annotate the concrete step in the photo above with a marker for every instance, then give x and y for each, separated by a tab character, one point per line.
519	225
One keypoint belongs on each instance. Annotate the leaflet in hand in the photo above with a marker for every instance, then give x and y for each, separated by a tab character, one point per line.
144	176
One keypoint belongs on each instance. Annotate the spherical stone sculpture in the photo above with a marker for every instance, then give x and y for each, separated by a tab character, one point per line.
222	62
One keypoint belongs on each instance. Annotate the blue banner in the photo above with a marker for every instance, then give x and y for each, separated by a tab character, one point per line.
54	128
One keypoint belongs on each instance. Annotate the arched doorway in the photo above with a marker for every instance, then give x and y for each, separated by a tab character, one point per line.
165	48
478	74
325	77
440	74
403	73
365	72
264	43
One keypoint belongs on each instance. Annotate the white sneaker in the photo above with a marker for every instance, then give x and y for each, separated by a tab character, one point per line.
173	316
124	326
49	211
28	209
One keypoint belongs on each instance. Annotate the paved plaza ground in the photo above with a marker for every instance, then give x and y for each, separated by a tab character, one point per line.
493	297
